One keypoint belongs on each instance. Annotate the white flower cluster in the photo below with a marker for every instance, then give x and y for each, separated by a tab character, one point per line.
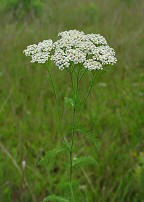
92	64
40	53
76	47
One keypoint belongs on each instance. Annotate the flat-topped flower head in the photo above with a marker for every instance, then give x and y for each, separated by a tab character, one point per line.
39	53
89	50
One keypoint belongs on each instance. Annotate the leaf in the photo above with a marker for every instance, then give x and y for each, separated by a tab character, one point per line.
77	100
91	137
87	134
74	193
72	189
69	101
55	198
84	161
51	154
74	101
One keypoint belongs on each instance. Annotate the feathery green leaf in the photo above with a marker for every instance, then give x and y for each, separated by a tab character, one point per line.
72	189
51	154
86	133
74	193
84	161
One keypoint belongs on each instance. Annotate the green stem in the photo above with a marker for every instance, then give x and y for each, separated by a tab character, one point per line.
88	93
73	123
82	74
71	147
57	105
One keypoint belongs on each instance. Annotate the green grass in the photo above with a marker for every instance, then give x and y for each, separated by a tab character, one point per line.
114	111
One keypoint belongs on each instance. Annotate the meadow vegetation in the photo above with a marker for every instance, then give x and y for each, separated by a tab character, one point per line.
114	110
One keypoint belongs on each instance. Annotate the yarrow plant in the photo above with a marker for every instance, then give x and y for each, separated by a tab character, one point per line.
77	53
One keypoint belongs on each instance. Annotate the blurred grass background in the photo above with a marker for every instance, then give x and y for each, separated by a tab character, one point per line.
115	108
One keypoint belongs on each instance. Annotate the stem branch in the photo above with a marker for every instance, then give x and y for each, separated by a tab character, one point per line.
88	93
57	105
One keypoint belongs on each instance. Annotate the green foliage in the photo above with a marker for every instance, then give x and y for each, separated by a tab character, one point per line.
21	9
74	192
84	161
139	172
128	1
69	101
55	198
73	102
91	136
92	12
72	189
78	101
52	154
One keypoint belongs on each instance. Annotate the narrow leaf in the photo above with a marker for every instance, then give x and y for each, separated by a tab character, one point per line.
51	154
55	198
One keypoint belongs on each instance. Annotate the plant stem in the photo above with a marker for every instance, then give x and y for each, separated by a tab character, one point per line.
82	74
74	112
71	147
57	105
73	123
88	93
